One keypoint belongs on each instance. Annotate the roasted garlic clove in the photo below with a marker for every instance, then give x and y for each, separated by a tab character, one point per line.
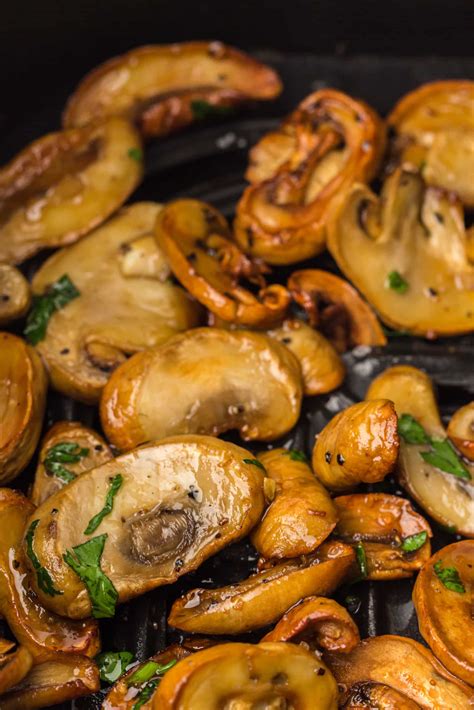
443	601
264	597
14	665
359	445
23	385
243	675
67	450
375	696
461	430
429	467
301	515
205	381
159	512
65	184
165	88
15	296
300	170
120	268
395	540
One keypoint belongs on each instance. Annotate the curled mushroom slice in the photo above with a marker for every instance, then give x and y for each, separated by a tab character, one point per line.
14	665
326	144
198	245
375	696
266	675
429	467
393	537
301	515
119	267
15	294
23	385
359	445
159	512
65	184
67	450
434	133
264	597
406	252
443	601
335	308
319	623
461	430
166	87
211	380
404	665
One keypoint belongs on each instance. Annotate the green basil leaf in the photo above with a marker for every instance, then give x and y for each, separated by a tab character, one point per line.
449	576
445	458
112	664
94	522
361	560
58	295
411	431
412	543
45	583
203	109
145	695
257	463
85	561
135	154
296	455
396	282
63	452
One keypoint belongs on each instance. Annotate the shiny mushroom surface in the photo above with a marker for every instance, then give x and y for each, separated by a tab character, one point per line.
461	430
15	296
375	696
15	664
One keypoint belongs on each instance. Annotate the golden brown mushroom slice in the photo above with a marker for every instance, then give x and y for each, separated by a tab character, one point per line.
407	254
443	601
125	302
434	133
205	381
65	184
359	445
165	88
145	519
266	675
67	450
298	171
404	665
264	597
15	296
45	635
429	467
461	430
375	696
23	385
335	308
14	665
301	515
393	540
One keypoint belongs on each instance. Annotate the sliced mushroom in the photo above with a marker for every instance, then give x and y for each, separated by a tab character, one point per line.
119	268
336	309
205	381
265	596
407	253
23	385
448	498
326	144
434	127
301	515
443	601
45	635
394	538
65	184
164	87
179	501
15	294
461	430
404	665
14	665
67	450
359	445
375	696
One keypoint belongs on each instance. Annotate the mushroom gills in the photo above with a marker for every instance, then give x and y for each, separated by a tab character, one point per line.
160	534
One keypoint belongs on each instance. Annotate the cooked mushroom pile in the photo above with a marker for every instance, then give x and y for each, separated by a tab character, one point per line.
179	342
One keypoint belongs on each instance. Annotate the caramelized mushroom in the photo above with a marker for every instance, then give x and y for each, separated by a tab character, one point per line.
359	445
461	430
443	488
394	538
67	450
23	386
119	267
173	505
266	675
443	601
15	294
205	381
14	664
298	171
301	515
165	88
375	696
407	253
434	127
336	309
65	184
265	596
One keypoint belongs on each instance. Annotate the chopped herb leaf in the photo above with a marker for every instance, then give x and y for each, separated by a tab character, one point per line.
64	452
296	455
257	463
45	583
412	543
112	664
94	522
445	458
145	695
135	154
203	109
361	560
150	673
396	282
85	561
352	603
411	431
58	295
449	576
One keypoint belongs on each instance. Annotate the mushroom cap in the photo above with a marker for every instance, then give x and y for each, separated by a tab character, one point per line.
14	664
461	430
15	296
